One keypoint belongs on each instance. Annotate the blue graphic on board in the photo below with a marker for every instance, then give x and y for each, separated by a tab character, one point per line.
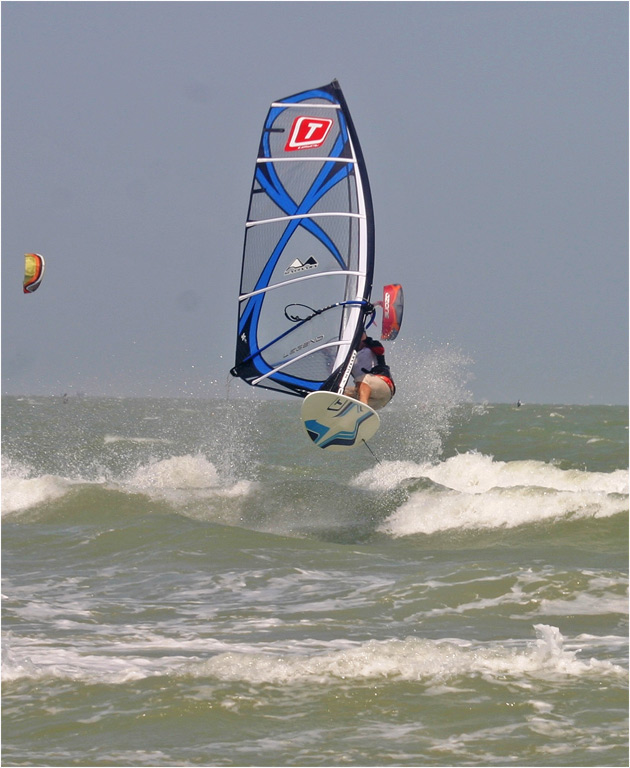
337	422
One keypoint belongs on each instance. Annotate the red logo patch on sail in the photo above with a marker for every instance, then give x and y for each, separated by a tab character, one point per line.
308	133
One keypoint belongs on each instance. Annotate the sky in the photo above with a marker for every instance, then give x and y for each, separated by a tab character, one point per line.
496	141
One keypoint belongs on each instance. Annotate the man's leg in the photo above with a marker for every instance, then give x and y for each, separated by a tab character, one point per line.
363	391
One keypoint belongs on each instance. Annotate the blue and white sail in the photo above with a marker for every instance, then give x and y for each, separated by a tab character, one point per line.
308	257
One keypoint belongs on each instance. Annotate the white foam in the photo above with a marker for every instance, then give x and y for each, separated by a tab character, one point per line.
175	480
143	655
521	591
389	475
585	605
430	512
414	659
67	663
475	491
476	473
22	491
184	476
441	664
176	472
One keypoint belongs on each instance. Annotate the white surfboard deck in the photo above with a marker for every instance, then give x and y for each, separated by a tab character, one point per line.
337	422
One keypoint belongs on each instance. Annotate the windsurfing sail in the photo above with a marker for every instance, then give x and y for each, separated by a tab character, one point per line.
308	257
34	266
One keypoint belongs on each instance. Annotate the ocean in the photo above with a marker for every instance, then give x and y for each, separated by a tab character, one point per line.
191	582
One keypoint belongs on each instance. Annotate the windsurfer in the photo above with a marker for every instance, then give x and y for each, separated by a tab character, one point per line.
372	378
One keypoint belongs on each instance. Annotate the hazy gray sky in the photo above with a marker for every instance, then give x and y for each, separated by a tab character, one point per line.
496	141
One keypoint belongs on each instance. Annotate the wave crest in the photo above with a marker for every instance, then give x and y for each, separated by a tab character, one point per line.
472	491
413	659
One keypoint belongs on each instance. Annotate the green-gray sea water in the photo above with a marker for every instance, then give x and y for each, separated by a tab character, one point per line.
190	582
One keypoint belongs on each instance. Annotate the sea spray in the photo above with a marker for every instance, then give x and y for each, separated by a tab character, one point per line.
232	435
430	390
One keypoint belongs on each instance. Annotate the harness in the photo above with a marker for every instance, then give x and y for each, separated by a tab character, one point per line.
388	381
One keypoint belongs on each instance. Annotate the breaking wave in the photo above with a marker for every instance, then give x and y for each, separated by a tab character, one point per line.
473	491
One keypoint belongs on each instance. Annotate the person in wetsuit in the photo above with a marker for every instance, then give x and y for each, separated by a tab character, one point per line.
373	383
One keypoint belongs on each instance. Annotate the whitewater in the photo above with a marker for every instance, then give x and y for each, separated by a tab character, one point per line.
190	582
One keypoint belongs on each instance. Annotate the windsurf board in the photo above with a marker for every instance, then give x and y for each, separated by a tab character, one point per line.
337	422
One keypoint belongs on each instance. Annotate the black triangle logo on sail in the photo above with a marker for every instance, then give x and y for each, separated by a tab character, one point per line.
301	266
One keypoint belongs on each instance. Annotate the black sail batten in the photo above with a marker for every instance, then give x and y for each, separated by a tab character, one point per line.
309	241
